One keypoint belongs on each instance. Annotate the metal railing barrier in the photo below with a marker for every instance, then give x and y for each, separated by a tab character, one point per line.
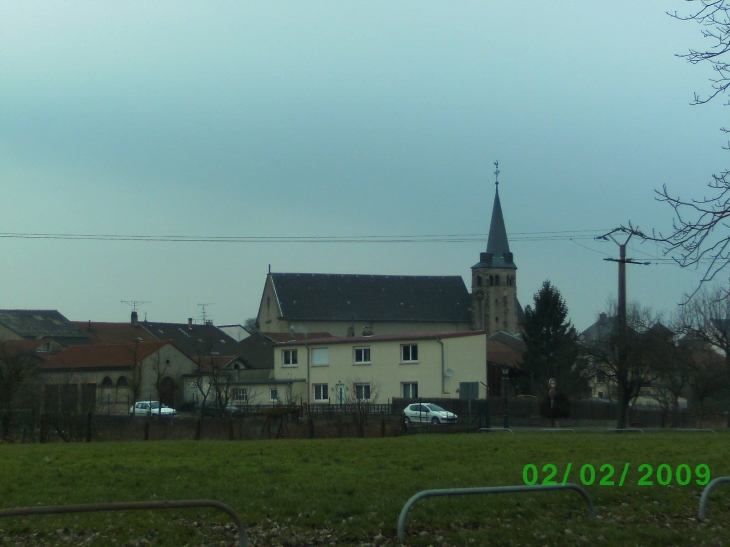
563	429
129	506
706	494
486	490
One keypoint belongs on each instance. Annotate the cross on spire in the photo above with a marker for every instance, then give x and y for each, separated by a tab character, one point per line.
496	173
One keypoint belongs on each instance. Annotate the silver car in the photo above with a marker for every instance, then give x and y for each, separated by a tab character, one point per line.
151	408
428	413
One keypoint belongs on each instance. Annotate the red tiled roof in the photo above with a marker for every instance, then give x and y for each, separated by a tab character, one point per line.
501	353
220	361
102	355
13	348
112	333
386	337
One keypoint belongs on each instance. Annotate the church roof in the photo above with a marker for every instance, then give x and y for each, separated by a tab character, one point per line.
344	297
498	254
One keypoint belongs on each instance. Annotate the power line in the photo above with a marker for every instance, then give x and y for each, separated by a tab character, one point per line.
563	235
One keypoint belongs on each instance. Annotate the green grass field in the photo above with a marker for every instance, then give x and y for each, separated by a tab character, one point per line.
350	491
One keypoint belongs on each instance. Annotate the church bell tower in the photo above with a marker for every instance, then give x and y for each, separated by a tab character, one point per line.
494	278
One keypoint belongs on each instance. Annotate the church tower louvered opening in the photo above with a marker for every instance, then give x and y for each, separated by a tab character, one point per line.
494	279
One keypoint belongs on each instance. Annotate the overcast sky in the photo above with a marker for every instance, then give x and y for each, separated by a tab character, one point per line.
339	119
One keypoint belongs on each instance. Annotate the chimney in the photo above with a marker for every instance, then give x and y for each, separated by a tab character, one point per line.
190	323
135	319
602	318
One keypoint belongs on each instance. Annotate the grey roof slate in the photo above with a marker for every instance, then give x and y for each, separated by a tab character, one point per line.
195	340
343	297
38	324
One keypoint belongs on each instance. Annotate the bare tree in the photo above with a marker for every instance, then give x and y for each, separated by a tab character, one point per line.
17	370
708	376
698	235
631	363
135	382
705	320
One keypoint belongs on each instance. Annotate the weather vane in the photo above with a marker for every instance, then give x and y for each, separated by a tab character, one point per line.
496	172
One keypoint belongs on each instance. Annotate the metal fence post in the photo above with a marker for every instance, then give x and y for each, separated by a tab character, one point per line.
401	525
127	506
706	495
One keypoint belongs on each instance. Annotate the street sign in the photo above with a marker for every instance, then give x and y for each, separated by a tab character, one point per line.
553	383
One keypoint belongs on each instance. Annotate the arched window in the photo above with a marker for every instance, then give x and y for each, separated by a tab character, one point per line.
122	381
479	281
107	381
491	280
496	281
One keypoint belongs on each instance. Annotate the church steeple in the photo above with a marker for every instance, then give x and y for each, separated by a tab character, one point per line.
498	254
494	279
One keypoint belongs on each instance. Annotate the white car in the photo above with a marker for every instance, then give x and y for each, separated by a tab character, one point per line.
428	413
151	408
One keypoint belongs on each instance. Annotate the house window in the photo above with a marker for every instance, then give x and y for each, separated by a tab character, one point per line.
240	394
410	390
409	353
320	392
289	357
600	394
362	356
601	377
122	381
320	357
107	381
273	395
362	392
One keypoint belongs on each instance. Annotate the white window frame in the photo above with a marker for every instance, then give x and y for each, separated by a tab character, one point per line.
291	356
274	394
323	392
365	351
410	353
410	385
362	386
320	352
240	394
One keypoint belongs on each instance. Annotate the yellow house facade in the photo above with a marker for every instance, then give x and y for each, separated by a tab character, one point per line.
340	370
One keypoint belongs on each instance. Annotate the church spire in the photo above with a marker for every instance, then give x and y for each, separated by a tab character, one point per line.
498	254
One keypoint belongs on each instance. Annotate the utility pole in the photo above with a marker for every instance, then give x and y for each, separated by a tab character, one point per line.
621	365
622	261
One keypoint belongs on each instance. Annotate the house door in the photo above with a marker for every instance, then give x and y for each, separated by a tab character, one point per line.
167	391
340	391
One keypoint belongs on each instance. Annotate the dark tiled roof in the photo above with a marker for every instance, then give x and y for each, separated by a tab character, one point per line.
112	333
385	337
340	297
101	356
196	340
42	324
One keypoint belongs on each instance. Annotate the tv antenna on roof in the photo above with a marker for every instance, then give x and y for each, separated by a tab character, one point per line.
202	306
135	303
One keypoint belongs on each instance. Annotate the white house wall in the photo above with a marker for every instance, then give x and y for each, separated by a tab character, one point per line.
466	356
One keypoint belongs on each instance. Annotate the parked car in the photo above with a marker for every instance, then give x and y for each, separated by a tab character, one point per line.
212	408
151	408
428	413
